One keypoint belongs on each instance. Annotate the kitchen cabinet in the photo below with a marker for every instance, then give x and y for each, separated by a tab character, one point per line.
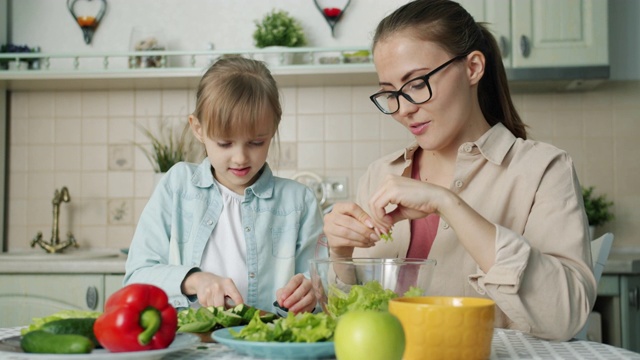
26	296
618	301
547	33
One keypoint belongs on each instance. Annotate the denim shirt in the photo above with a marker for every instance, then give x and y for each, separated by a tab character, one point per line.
281	219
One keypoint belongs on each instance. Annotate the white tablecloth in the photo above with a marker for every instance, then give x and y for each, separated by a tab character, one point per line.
506	344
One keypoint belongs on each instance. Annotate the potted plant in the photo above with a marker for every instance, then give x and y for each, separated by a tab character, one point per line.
169	145
278	29
598	208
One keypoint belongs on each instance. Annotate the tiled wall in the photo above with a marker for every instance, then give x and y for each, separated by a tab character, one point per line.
85	141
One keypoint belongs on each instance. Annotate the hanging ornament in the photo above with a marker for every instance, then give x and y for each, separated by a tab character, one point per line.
88	23
332	11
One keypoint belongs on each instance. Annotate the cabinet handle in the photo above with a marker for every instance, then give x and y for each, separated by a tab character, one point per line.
504	46
525	48
92	297
633	298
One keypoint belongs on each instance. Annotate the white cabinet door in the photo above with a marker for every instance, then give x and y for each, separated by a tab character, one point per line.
546	33
559	33
24	297
112	283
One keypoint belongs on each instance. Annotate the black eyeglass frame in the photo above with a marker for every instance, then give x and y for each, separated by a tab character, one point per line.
399	92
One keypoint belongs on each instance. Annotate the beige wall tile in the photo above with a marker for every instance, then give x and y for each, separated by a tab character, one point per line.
337	99
310	127
121	103
338	127
94	104
310	100
41	105
68	104
41	131
365	127
338	155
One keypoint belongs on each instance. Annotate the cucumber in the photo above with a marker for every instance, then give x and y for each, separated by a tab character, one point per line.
43	342
267	317
74	326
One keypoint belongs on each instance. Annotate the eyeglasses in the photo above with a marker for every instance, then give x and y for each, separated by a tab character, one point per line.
417	91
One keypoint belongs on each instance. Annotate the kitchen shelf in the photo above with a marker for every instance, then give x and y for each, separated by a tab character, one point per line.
182	69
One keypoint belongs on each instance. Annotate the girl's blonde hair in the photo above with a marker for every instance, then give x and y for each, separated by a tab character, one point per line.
234	96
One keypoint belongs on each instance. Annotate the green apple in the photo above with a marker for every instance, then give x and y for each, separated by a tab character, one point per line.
369	335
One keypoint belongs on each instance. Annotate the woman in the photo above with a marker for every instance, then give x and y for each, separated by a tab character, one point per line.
502	215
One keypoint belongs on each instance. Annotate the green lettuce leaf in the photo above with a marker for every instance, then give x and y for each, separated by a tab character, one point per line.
369	296
303	327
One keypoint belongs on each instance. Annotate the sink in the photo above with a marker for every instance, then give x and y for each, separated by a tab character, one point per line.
40	255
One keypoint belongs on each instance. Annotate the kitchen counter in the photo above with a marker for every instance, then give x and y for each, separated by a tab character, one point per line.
113	264
623	263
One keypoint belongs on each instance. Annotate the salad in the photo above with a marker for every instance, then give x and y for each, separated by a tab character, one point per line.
369	296
303	327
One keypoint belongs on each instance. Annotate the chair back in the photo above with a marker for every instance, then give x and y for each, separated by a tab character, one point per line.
600	249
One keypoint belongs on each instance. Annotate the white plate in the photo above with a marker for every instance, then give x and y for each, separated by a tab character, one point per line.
274	350
181	342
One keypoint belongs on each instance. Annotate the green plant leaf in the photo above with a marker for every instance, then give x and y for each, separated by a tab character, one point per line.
278	28
168	147
598	208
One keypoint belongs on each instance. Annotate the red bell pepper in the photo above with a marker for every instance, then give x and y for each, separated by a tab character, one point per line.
137	317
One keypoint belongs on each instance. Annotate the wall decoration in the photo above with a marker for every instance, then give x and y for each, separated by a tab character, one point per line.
332	11
82	11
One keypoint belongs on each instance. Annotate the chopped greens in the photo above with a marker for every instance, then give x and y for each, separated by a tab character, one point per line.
303	327
209	318
370	296
387	237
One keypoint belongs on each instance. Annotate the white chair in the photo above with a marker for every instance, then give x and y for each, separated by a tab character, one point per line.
600	249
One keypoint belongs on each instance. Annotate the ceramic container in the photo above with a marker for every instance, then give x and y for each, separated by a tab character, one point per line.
439	327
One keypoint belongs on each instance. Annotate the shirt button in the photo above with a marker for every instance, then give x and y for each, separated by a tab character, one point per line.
252	275
247	229
468	147
445	225
210	222
459	183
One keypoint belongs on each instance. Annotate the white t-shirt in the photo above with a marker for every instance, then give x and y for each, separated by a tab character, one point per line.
226	251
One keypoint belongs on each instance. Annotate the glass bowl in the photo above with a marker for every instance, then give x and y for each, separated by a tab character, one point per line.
348	284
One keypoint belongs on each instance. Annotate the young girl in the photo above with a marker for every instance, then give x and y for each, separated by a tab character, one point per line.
228	231
502	215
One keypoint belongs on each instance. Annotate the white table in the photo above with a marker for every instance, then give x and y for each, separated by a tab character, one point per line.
506	344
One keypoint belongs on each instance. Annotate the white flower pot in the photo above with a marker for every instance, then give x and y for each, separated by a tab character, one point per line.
274	56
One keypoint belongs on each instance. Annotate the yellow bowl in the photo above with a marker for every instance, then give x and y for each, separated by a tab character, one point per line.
441	327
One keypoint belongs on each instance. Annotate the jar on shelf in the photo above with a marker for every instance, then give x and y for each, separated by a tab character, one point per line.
147	39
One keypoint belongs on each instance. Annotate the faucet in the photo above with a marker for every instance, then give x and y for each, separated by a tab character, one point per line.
55	245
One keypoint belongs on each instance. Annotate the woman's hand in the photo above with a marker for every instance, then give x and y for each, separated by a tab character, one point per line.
211	289
348	226
414	199
298	295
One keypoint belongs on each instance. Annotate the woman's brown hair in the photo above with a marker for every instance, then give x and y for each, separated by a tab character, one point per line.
447	23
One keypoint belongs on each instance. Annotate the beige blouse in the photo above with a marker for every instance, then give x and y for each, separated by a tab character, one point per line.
542	280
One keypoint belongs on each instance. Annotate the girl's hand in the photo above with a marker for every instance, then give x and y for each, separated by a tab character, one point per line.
298	295
348	226
414	199
211	289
